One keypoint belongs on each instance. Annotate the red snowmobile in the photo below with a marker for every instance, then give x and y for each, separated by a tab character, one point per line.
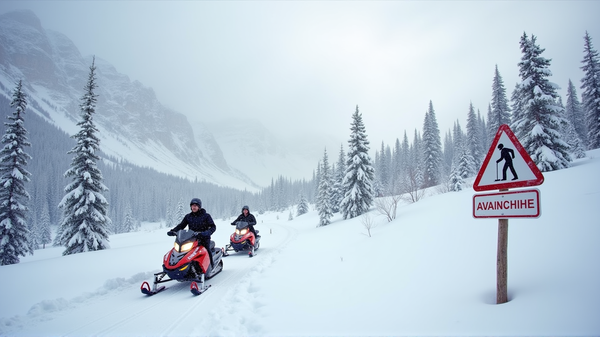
187	261
242	240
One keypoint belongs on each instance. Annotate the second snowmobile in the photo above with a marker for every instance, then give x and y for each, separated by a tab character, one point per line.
242	240
187	261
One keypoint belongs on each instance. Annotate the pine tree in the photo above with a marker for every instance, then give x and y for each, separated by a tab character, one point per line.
590	83
432	149
483	131
338	178
359	175
324	193
14	233
570	136
128	221
499	112
448	153
464	162
456	182
396	169
383	170
474	137
574	113
179	212
45	231
417	166
538	128
86	224
302	205
405	165
34	235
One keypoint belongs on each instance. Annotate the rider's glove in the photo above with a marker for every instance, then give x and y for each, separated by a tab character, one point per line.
171	233
205	234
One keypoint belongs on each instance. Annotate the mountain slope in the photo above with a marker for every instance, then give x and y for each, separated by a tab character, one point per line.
134	126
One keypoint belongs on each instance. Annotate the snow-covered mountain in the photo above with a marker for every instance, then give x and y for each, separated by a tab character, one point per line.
133	125
253	149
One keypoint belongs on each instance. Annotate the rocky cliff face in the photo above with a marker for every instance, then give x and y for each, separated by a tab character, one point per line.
133	124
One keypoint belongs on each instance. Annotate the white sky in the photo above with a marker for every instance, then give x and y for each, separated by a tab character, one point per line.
298	62
424	274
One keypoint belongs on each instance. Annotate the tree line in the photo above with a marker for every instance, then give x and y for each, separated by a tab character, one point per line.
121	195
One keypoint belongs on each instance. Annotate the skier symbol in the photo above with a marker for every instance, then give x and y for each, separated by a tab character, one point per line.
508	155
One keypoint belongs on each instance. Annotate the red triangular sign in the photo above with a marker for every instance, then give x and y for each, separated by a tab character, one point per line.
508	165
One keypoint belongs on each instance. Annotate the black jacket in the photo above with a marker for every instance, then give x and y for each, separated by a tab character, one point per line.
198	222
250	219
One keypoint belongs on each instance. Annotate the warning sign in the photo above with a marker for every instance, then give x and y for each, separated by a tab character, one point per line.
507	165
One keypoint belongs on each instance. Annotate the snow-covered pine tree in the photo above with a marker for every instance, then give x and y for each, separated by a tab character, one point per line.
85	224
465	164
324	194
590	84
179	213
14	234
574	113
455	181
499	112
338	178
318	178
483	131
34	234
448	153
396	169
302	205
417	165
45	230
128	221
570	136
383	170
405	165
516	107
474	137
359	175
432	149
538	125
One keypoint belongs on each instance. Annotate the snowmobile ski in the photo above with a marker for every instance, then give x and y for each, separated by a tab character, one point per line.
146	289
197	291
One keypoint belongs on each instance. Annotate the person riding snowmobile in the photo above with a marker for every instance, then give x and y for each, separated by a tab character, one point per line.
249	218
198	221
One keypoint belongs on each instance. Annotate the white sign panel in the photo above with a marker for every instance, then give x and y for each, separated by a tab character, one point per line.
504	205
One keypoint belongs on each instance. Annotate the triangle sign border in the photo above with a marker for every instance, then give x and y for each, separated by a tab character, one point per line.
539	177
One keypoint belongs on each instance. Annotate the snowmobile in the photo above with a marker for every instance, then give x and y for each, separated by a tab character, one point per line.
242	240
187	261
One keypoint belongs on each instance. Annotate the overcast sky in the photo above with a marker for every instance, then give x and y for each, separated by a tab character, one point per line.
307	64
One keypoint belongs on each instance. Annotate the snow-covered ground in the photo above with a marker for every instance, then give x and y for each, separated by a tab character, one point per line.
432	271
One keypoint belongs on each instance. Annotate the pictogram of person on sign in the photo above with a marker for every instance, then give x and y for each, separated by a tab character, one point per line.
508	155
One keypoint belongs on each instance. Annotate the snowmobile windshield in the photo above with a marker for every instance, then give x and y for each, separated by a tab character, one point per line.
185	235
241	225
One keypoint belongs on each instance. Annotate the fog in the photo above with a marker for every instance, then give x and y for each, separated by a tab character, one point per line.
304	66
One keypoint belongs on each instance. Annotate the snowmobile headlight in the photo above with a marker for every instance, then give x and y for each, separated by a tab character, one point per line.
186	246
176	247
244	231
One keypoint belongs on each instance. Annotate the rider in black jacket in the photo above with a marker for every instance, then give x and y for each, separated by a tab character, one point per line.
249	218
198	221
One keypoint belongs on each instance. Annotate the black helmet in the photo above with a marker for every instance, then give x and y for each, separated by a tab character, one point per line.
197	202
246	208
